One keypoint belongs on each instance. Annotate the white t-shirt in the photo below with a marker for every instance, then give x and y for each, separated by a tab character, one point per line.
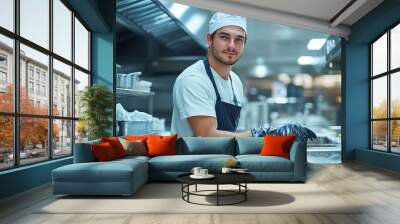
194	95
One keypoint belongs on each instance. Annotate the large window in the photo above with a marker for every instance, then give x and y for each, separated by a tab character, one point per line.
385	94
44	64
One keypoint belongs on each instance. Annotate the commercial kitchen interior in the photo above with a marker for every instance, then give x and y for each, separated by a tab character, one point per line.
329	65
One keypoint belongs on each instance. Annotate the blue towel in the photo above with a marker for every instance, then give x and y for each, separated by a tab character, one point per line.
302	133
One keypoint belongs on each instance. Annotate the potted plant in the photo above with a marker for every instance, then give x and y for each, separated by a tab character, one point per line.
96	102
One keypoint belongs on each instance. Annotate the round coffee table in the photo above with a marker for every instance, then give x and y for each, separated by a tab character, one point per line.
238	179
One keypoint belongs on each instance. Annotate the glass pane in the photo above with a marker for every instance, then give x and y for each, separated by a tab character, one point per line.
379	98
379	55
33	139
62	138
395	136
81	131
6	74
35	21
395	47
34	97
395	94
81	45
7	14
6	142
379	135
62	29
81	81
62	89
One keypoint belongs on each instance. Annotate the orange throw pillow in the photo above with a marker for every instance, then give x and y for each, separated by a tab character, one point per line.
161	145
277	145
136	137
103	151
116	145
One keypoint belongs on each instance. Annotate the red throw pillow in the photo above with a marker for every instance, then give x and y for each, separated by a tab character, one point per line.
277	145
103	151
161	145
116	145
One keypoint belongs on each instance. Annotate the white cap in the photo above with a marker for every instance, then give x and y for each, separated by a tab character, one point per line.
220	19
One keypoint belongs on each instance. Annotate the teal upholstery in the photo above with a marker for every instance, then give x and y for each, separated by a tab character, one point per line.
207	145
257	163
298	155
83	153
249	145
119	177
125	176
184	163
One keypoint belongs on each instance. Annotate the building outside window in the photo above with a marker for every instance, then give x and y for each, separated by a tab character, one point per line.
30	87
38	89
43	90
43	77
3	61
3	69
30	72
3	78
58	135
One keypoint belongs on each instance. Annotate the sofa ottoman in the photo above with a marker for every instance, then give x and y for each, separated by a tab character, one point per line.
119	177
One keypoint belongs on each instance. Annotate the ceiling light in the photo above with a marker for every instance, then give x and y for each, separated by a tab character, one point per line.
260	71
178	9
305	60
316	44
195	22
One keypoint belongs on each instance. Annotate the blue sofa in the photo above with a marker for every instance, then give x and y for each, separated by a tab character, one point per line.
125	176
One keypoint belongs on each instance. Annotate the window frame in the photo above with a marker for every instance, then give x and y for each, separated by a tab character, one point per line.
388	74
16	114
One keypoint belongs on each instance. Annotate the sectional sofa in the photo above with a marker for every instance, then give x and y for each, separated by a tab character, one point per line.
125	176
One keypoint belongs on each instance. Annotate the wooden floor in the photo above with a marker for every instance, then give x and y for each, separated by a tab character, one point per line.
377	188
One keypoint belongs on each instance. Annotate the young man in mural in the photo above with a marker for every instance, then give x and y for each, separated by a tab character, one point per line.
207	95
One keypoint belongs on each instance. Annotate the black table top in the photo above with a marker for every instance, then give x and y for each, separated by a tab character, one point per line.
220	178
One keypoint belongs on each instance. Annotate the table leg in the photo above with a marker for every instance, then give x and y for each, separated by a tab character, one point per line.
196	188
245	191
217	194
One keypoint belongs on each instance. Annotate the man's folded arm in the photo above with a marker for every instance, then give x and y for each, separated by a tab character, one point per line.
206	126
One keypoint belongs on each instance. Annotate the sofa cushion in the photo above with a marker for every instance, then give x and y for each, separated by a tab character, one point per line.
103	152
161	145
112	171
116	145
277	145
136	137
249	145
209	145
185	163
136	147
257	163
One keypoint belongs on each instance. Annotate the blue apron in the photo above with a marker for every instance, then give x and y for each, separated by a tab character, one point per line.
227	114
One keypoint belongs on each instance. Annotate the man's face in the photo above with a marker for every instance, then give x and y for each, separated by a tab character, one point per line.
227	44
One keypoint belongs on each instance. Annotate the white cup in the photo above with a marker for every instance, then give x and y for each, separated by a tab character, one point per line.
196	170
203	172
226	170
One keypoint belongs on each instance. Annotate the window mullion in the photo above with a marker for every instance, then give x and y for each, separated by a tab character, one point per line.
16	84
389	106
73	82
50	81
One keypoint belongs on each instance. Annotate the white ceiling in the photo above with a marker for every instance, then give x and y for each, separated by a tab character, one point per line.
315	15
320	9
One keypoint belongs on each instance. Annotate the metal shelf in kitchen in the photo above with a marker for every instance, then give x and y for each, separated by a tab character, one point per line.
121	92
